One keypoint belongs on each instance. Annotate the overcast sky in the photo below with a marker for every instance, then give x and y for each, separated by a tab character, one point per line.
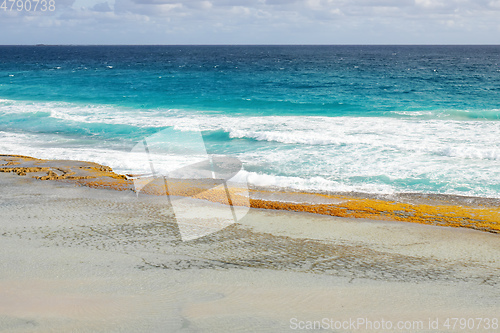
256	22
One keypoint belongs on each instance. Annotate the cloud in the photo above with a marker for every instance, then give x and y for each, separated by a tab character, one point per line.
102	7
261	21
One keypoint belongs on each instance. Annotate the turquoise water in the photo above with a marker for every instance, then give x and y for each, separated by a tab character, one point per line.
379	119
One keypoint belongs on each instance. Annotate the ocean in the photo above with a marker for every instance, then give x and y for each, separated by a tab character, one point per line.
371	119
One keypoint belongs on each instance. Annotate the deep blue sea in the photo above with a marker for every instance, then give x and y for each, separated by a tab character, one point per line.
378	119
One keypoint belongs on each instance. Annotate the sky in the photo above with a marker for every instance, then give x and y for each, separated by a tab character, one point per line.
253	22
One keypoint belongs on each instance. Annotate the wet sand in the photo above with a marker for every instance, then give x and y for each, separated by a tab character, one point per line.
75	258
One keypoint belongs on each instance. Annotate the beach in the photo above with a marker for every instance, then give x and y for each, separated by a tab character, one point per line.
249	188
77	258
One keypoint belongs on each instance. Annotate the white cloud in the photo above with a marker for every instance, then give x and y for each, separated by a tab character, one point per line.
102	7
259	21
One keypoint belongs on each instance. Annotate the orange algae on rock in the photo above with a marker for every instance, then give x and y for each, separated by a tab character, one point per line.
486	218
82	172
444	211
203	189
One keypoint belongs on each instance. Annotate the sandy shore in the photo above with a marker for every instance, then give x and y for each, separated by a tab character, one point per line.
431	209
74	258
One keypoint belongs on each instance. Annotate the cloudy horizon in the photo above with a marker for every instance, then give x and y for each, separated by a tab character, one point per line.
256	22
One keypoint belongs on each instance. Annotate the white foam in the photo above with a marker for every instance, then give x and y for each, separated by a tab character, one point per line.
475	153
370	154
286	137
313	184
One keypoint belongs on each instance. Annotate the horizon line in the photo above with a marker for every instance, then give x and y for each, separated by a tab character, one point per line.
381	44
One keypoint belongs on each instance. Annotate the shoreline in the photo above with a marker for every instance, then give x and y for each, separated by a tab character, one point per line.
432	209
78	259
75	258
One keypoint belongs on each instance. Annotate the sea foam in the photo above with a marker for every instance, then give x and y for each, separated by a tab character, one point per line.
373	154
